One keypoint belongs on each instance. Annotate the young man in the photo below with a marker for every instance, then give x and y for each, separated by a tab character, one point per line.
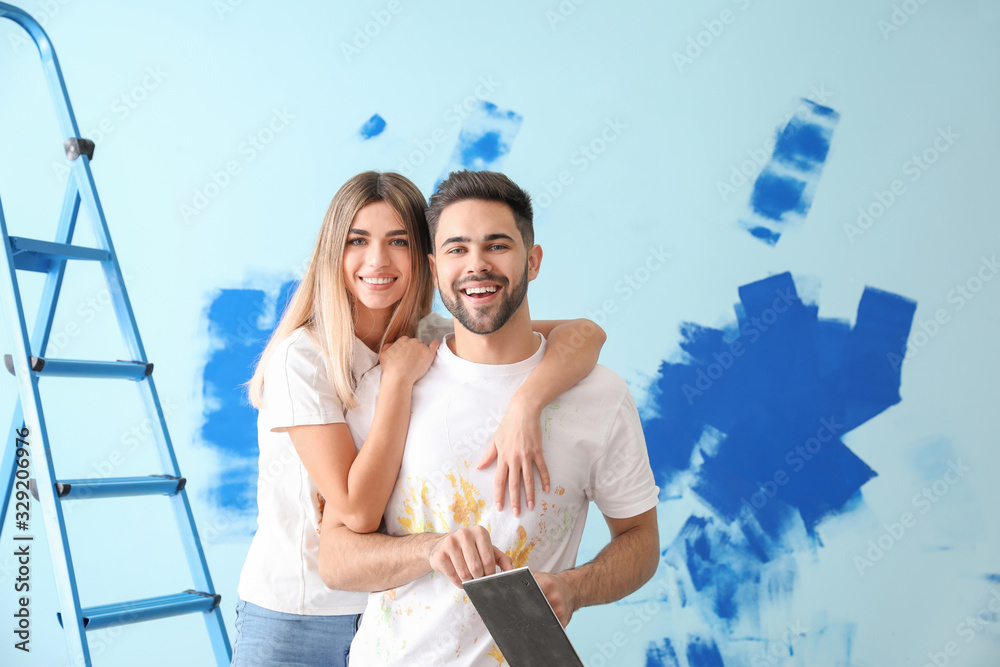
442	529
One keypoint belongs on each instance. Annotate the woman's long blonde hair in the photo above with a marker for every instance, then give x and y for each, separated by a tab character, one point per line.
323	304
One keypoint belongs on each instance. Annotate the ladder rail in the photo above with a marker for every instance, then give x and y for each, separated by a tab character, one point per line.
31	406
50	65
53	281
193	549
43	324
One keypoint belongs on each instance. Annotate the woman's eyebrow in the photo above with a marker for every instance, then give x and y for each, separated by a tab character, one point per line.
362	232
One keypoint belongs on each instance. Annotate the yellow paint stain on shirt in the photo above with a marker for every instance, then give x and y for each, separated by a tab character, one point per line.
497	655
560	490
467	506
320	507
522	548
420	516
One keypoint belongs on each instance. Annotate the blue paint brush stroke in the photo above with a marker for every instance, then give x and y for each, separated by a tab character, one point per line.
774	196
230	423
754	414
484	140
661	655
716	567
782	387
373	127
704	653
784	189
803	145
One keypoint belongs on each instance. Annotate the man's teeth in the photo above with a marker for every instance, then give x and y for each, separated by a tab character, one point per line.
378	281
481	290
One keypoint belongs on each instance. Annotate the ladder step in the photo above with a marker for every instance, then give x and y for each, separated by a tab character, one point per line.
116	487
128	370
35	255
149	609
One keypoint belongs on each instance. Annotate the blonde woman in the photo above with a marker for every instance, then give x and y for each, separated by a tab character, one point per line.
365	296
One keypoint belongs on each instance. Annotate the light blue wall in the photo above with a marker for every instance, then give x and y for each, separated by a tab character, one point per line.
674	99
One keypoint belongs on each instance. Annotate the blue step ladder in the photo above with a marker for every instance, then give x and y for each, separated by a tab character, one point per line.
29	441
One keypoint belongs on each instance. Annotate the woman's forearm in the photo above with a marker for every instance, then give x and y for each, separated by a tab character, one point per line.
571	353
374	471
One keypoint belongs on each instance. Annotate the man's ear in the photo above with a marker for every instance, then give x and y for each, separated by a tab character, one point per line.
534	261
434	275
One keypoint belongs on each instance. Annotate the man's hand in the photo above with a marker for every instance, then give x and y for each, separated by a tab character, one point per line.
559	594
466	554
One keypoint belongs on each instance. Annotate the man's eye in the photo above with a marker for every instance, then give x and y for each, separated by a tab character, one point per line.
498	246
455	251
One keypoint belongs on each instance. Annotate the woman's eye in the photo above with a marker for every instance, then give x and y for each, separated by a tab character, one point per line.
403	243
356	241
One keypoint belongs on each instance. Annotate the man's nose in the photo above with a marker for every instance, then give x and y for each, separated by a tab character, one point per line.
478	263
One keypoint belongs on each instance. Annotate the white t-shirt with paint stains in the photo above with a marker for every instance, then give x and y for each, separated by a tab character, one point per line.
595	451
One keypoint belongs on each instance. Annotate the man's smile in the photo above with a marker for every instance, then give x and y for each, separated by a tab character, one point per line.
480	293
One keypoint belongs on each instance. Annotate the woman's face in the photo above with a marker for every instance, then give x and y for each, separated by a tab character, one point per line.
377	258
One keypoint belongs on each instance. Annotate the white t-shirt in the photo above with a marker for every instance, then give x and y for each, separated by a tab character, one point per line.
594	448
281	572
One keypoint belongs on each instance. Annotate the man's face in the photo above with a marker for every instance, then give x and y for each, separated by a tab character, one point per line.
480	264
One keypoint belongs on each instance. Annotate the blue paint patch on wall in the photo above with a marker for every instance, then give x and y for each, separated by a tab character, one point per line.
239	328
484	140
716	567
704	653
373	127
752	418
783	387
661	655
774	196
785	187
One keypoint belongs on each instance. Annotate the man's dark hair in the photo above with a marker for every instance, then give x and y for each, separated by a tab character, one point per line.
486	186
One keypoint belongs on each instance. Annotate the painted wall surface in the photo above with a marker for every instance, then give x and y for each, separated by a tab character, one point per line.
782	213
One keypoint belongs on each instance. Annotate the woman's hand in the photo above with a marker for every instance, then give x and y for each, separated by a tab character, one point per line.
407	359
517	446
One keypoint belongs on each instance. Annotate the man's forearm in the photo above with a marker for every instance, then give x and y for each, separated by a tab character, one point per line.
625	564
349	561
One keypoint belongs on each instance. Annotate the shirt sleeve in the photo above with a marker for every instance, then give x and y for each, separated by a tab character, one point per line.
297	391
434	327
621	481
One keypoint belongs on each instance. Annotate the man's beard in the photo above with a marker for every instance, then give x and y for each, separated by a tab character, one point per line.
501	312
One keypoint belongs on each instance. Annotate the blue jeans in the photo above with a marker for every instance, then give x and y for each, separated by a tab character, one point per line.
266	638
